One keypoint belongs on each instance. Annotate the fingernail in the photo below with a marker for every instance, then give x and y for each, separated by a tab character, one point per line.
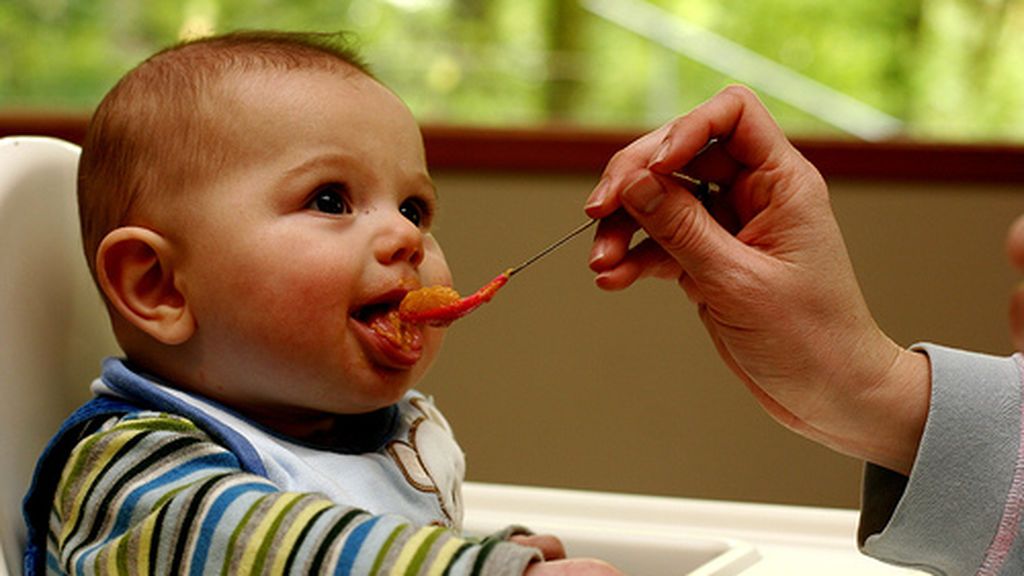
597	254
661	153
644	194
599	195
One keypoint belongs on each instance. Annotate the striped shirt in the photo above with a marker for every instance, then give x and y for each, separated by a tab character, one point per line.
150	492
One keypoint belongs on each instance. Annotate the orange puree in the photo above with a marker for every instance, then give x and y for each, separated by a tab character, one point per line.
400	334
428	298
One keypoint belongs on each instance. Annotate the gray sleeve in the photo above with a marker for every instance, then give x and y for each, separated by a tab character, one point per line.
959	512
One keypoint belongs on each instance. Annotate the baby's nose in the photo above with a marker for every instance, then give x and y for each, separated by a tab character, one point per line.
399	240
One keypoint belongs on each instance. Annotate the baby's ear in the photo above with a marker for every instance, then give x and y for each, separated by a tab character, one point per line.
136	272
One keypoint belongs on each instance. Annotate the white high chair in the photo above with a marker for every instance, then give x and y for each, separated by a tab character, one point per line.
53	329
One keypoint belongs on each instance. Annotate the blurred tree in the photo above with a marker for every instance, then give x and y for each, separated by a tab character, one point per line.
951	69
564	66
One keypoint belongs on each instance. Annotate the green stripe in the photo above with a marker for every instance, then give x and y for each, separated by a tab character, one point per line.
93	488
268	540
421	554
164	452
238	530
481	557
122	552
80	463
157	424
139	428
383	552
302	536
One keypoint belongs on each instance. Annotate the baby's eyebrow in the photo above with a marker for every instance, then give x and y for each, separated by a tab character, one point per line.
335	160
323	160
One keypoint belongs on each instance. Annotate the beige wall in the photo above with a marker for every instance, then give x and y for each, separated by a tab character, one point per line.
556	383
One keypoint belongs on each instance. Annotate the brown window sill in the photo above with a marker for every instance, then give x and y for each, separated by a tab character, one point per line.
560	149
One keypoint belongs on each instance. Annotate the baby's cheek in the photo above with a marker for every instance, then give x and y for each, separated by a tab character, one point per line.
434	270
295	315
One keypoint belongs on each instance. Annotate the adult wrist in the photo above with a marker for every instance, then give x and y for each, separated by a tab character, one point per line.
897	410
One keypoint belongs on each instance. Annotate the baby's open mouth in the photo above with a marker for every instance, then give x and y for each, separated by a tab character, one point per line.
383	319
366	314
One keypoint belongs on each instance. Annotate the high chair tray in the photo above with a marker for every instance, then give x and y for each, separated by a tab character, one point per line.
667	536
608	527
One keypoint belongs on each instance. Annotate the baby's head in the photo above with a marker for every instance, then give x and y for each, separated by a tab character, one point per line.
250	205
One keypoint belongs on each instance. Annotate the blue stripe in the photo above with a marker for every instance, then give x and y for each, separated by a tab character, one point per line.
52	563
124	514
222	460
353	543
217	510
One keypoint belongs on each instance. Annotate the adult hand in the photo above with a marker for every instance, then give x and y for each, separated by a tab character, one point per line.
766	265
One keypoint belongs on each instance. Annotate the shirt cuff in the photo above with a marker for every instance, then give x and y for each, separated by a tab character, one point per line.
944	516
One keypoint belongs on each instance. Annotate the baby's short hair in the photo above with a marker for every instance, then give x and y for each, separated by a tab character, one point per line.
153	134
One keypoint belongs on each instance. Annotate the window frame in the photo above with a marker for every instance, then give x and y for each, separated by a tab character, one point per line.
560	149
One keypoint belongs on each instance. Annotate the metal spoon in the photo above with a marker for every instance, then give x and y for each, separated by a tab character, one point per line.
447	312
701	189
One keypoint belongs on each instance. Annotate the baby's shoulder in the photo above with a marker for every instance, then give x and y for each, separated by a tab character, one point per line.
136	436
146	422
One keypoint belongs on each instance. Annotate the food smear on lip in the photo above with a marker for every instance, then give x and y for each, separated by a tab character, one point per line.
398	333
442	305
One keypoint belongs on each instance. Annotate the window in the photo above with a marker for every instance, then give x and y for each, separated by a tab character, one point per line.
947	70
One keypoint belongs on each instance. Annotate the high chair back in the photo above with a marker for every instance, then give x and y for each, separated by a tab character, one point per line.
53	327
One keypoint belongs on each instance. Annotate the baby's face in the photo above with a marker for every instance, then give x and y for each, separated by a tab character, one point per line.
320	222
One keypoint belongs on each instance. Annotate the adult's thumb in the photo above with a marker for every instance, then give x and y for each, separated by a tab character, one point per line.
679	223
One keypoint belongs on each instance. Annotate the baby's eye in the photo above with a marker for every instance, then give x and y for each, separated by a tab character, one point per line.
330	199
416	210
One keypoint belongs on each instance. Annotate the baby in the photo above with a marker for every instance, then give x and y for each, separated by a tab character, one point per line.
252	207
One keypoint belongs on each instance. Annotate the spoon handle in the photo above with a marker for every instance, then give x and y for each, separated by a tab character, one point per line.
555	245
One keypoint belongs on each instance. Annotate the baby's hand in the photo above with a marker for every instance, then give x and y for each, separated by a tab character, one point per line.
555	563
550	546
572	567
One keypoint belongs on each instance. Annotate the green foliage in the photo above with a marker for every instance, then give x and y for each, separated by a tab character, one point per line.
949	69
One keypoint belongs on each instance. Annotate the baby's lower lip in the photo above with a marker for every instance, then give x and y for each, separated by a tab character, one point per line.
386	349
